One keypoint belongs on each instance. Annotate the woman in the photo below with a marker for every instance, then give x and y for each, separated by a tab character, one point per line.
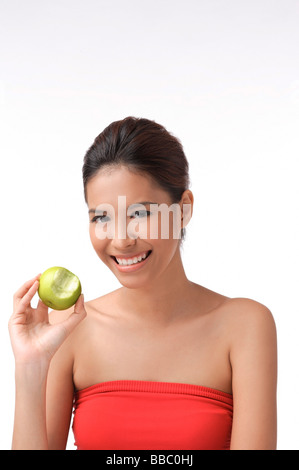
160	363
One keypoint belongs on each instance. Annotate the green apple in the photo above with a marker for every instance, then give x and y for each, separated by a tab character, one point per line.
59	288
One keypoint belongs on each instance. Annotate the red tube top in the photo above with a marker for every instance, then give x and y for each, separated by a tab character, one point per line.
135	415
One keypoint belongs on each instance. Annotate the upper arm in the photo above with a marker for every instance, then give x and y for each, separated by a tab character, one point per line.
60	391
253	358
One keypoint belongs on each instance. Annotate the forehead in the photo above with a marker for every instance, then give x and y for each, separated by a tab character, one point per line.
111	182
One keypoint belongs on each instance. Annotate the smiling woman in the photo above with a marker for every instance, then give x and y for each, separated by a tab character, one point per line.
161	362
126	234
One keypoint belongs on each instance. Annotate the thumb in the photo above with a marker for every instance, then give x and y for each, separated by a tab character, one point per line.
79	306
77	316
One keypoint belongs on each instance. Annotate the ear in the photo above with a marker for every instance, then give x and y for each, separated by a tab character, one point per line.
186	204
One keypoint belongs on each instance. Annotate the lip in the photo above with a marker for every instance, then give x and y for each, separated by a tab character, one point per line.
131	267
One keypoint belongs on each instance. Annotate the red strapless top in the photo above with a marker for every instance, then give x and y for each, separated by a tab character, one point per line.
144	415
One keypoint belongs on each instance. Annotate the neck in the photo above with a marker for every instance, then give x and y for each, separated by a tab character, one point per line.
164	298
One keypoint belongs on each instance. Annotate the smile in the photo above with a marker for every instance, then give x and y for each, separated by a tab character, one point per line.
125	263
134	260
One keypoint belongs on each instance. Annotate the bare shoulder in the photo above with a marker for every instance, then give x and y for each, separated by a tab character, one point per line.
245	312
250	323
236	311
240	317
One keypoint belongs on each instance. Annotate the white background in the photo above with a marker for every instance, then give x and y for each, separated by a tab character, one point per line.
223	76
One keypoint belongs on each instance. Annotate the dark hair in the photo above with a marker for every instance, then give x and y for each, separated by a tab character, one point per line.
144	146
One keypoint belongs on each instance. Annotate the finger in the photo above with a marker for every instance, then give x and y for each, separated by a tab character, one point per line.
76	317
24	302
41	306
42	310
79	305
25	287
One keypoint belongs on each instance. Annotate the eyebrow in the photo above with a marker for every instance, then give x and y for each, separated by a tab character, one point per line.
143	203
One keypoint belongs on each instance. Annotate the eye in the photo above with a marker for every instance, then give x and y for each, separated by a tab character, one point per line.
100	218
138	214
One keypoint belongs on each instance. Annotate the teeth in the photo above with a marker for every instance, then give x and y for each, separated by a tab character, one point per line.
129	261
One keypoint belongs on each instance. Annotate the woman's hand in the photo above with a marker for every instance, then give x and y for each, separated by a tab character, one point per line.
33	338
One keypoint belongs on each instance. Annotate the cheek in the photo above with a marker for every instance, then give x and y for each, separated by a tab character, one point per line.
165	251
165	224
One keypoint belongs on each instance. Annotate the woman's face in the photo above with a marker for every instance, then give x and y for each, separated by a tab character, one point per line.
129	229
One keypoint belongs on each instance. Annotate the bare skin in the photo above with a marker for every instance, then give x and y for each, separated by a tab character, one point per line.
158	326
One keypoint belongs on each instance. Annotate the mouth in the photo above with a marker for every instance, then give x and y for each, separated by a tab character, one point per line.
133	260
131	264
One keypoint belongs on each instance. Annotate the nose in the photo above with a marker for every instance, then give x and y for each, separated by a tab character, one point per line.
122	240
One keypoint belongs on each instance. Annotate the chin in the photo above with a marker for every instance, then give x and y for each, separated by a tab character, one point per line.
137	282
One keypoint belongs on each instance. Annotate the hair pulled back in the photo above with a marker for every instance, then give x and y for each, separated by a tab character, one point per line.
143	146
